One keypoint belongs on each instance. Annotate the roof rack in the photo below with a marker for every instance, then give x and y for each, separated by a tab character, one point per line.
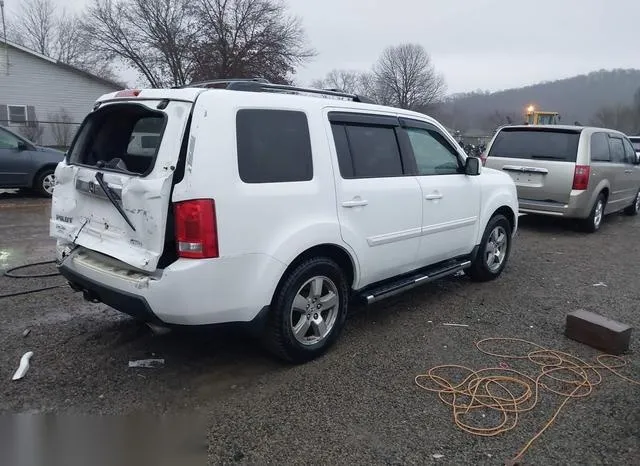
262	85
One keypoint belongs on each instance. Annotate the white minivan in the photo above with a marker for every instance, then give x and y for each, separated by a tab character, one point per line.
270	205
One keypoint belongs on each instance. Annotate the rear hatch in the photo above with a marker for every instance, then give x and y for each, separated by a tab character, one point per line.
541	160
113	193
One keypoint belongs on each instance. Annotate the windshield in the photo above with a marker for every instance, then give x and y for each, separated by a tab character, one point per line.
121	137
545	144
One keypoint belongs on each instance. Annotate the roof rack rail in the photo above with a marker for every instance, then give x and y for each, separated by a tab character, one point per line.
224	83
263	85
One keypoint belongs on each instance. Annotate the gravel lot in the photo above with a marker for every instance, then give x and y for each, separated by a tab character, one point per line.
358	404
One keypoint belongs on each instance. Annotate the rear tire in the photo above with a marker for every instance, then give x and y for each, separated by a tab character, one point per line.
494	250
634	208
308	311
594	221
45	181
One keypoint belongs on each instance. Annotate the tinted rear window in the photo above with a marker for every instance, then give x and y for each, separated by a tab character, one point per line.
273	146
536	144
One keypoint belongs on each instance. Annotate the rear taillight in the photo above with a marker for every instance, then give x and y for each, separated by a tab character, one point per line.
581	177
196	229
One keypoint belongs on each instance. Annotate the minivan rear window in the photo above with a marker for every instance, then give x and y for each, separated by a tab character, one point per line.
543	144
121	137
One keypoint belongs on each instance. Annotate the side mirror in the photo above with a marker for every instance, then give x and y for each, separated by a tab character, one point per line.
22	146
472	166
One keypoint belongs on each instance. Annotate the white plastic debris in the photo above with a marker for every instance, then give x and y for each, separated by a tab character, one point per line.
599	284
26	332
147	363
23	367
437	456
455	325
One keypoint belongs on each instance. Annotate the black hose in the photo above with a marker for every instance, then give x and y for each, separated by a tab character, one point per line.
9	272
37	290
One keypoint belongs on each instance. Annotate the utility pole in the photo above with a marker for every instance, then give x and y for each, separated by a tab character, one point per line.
4	33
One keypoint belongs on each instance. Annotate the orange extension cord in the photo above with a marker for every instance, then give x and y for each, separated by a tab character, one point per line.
493	388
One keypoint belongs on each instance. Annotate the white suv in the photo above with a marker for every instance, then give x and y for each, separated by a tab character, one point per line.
270	205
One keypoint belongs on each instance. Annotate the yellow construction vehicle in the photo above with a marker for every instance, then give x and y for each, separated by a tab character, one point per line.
536	117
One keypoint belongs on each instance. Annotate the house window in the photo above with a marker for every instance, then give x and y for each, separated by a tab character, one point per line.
17	115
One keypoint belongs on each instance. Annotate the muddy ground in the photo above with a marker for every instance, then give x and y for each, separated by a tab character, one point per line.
359	403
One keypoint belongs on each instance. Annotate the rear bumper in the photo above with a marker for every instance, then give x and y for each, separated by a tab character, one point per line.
129	303
188	292
579	206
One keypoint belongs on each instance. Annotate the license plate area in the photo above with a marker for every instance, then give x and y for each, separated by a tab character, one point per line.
528	179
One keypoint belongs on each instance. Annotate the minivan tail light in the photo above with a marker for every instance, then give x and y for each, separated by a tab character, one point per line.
196	229
581	177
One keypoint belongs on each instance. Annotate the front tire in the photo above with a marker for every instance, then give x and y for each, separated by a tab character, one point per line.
45	182
308	311
634	208
494	250
593	222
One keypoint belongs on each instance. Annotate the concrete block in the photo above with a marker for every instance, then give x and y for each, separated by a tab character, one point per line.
598	332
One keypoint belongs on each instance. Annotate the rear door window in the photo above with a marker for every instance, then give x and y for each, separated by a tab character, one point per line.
629	152
617	150
600	147
375	151
111	138
543	144
273	146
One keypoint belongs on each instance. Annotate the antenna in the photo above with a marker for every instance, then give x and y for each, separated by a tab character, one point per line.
4	33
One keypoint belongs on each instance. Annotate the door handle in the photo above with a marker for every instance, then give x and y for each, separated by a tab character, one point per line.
433	197
355	203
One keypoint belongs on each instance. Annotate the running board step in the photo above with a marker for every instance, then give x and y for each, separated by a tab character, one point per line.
393	288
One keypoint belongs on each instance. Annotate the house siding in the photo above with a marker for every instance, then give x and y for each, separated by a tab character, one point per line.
48	88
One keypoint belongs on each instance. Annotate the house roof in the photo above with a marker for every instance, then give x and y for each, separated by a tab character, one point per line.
66	66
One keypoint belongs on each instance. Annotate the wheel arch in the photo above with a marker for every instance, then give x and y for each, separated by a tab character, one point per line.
40	171
330	250
509	214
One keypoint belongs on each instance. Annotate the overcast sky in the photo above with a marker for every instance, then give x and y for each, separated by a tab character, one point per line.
476	44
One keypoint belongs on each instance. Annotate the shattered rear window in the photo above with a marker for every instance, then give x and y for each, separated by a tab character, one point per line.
120	137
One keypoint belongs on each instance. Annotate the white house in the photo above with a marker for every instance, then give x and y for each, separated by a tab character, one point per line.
44	99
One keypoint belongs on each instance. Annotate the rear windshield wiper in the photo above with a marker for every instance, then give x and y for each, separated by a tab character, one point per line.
114	198
549	157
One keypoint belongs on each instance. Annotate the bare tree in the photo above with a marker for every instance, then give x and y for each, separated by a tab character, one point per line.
45	28
33	131
405	77
154	37
621	117
496	119
345	80
248	38
35	27
62	127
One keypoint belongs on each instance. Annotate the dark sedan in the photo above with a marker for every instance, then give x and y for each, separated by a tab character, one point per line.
25	165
